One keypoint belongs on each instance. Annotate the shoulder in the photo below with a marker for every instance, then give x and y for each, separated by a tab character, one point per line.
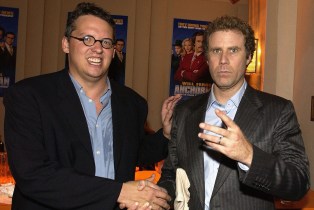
263	99
37	84
193	103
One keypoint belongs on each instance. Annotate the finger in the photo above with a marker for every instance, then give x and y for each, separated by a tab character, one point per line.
152	185
160	203
214	129
225	119
133	207
175	100
172	101
122	205
146	206
162	195
164	190
151	178
141	185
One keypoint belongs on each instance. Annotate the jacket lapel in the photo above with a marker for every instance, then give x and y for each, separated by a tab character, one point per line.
194	146
70	105
246	118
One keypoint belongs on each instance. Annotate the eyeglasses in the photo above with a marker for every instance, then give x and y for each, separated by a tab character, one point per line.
89	40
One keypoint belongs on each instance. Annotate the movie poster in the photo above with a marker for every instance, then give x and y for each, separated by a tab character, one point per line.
117	66
189	74
8	47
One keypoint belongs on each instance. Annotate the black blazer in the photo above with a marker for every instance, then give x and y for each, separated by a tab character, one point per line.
49	149
279	167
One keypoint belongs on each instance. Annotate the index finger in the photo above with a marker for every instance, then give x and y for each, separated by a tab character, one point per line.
227	121
171	101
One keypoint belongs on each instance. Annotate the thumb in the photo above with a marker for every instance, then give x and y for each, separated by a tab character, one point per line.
141	185
151	178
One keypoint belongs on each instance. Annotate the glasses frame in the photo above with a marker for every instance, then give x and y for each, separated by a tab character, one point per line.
101	41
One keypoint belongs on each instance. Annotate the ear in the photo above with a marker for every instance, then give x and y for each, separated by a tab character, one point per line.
65	44
248	60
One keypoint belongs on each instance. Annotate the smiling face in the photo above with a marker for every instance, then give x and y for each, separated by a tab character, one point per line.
88	63
227	59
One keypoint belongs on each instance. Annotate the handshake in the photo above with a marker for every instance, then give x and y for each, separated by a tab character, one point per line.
142	195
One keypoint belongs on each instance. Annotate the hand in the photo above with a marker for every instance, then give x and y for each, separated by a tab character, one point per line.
166	113
140	187
136	195
230	141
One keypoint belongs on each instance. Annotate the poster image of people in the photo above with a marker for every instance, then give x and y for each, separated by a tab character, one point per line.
117	66
189	75
8	47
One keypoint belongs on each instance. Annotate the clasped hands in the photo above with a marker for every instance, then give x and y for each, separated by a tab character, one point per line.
143	195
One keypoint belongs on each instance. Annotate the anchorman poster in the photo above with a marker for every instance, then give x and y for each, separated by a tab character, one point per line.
183	31
8	47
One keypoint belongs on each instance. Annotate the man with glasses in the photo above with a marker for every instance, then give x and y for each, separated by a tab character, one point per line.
74	137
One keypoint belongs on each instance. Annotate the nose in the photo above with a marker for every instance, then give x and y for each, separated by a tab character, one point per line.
97	47
224	58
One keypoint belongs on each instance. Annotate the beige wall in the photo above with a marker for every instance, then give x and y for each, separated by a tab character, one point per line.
304	74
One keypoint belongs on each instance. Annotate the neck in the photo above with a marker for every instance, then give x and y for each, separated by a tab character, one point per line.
224	94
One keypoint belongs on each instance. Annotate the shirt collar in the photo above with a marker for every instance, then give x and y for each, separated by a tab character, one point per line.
235	99
79	88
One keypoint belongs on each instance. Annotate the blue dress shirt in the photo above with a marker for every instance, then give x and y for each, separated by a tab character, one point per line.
100	130
211	157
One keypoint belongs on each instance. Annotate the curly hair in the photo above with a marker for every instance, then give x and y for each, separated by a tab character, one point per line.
85	8
226	23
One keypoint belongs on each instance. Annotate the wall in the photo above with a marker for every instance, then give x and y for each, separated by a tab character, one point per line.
304	74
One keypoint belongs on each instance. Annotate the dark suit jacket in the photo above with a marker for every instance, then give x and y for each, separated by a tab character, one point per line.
8	63
49	148
279	167
199	64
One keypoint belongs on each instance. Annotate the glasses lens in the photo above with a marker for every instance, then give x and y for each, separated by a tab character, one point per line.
106	43
89	40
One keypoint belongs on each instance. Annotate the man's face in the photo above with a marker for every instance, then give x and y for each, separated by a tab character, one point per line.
9	39
227	59
119	46
178	50
198	45
88	63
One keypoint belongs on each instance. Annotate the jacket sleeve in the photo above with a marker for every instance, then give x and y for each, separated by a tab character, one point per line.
283	173
168	175
154	146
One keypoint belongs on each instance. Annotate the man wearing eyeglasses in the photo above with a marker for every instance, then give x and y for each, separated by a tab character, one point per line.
74	137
